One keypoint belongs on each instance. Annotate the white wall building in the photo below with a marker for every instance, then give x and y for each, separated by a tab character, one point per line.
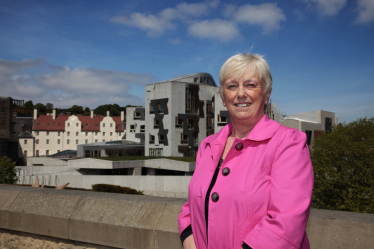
135	124
54	133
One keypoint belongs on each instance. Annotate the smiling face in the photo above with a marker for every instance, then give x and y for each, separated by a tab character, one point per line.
244	98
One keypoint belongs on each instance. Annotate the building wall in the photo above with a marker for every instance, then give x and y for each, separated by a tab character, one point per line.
72	135
132	121
26	147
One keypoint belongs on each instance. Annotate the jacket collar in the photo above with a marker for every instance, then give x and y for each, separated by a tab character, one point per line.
263	130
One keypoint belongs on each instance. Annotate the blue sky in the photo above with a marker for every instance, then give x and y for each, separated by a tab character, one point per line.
320	52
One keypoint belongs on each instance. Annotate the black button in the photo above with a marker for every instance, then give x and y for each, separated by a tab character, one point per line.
239	146
225	171
215	197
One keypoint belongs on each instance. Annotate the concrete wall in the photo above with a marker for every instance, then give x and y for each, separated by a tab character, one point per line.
169	186
78	219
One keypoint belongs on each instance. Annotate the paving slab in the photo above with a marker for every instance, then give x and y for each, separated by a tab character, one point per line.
167	232
116	222
7	197
42	213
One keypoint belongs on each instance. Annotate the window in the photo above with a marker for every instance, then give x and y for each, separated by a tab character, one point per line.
37	141
68	133
308	137
156	124
132	128
155	152
160	139
77	124
86	124
25	153
196	80
68	141
37	153
25	141
47	152
184	139
77	133
96	125
209	108
151	139
76	141
209	123
59	124
95	140
86	133
202	79
190	123
221	121
151	109
58	151
58	141
111	133
103	140
47	124
103	133
47	141
37	133
142	128
119	133
47	133
111	125
68	124
103	124
137	115
58	133
328	124
38	124
86	141
96	133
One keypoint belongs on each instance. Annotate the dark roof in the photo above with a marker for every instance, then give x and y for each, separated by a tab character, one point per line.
45	123
26	134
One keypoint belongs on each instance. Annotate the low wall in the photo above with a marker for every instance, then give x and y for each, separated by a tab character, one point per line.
50	218
167	186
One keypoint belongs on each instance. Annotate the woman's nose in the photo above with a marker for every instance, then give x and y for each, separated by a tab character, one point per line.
241	92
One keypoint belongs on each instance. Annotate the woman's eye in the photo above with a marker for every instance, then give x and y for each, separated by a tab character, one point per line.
231	86
251	85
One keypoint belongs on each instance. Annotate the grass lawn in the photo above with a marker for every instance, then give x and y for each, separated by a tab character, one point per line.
130	158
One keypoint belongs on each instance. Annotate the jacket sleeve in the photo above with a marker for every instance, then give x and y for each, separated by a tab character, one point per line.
184	217
291	187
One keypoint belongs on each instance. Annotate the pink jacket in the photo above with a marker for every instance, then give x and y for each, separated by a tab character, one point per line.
265	199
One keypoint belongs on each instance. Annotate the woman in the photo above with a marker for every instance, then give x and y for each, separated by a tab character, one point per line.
259	194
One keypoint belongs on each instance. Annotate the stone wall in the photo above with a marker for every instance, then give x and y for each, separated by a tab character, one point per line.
49	218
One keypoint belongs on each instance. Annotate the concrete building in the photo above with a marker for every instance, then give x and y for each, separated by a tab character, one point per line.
54	133
312	123
179	115
135	124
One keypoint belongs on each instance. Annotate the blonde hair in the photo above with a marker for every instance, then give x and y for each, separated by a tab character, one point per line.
239	64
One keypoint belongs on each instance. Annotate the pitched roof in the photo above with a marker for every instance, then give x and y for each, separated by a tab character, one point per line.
119	124
89	124
45	123
26	134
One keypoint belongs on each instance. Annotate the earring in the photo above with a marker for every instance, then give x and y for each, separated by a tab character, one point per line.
224	104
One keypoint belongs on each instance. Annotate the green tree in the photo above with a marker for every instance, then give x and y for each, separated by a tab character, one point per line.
8	172
76	109
40	107
49	106
29	105
87	109
343	164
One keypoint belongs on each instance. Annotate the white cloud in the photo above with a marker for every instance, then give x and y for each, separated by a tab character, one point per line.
64	86
157	24
329	7
267	15
365	11
215	29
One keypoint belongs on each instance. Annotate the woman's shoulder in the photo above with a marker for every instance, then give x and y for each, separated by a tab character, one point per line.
284	132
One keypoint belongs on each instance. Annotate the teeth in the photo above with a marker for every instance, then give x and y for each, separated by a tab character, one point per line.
243	105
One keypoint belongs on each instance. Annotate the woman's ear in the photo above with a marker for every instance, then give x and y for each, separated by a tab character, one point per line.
267	97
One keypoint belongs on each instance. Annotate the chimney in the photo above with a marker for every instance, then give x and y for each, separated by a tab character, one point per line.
122	115
91	114
35	114
54	114
107	113
336	120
